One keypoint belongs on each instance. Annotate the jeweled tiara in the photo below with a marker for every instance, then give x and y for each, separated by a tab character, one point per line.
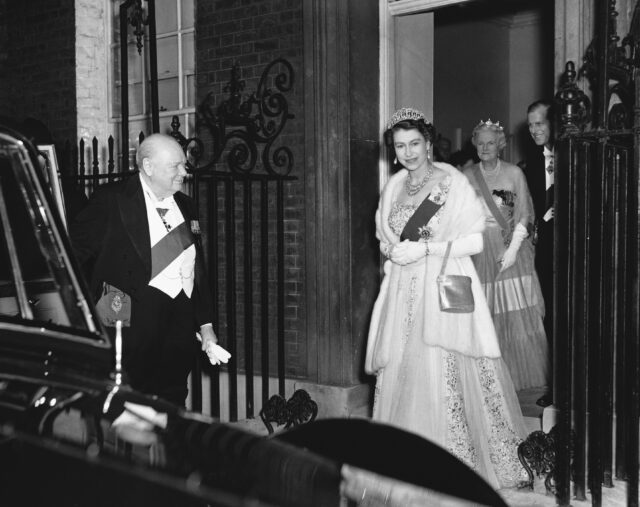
489	123
405	113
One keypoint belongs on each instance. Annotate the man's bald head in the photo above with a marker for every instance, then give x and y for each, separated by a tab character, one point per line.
161	162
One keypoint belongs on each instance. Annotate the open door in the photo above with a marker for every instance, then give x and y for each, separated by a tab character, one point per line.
462	60
406	60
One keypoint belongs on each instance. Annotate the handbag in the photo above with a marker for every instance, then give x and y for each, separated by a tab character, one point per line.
454	291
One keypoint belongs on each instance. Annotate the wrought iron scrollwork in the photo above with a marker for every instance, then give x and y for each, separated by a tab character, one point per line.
193	147
238	127
621	61
298	409
538	455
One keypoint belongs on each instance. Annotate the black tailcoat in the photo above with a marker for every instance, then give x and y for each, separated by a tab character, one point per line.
536	179
111	240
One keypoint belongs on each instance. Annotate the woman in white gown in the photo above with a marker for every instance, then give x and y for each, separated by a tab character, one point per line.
439	374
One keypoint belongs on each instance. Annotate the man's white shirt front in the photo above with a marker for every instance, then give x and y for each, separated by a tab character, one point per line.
179	274
548	160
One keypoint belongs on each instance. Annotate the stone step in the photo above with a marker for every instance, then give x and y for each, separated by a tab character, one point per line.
533	423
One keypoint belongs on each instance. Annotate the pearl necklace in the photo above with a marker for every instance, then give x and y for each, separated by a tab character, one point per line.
493	174
414	189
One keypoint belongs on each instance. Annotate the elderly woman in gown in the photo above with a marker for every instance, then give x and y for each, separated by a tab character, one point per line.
439	374
506	265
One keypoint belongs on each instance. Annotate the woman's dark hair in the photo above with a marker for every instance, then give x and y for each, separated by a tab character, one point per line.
427	130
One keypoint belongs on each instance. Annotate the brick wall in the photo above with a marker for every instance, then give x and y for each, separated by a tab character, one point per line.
254	33
37	64
4	55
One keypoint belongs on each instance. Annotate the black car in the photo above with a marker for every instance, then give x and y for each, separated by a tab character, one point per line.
73	433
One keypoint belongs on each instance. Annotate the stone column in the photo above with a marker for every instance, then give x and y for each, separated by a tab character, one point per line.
341	192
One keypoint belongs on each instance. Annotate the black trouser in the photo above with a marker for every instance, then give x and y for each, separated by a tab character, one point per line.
544	269
160	346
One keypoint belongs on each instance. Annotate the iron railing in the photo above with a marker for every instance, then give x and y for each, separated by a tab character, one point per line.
596	326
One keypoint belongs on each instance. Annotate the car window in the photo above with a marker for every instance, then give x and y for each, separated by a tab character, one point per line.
8	296
8	299
44	299
36	282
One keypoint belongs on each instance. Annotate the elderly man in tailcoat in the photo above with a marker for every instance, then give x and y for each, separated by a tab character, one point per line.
140	236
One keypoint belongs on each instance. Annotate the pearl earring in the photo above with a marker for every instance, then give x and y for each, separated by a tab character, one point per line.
395	161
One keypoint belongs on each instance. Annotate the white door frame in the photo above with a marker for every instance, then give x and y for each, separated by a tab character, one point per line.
574	21
388	10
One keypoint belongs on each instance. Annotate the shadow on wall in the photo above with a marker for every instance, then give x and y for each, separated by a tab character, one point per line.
522	139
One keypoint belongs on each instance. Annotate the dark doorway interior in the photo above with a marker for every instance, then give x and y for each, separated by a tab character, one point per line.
492	59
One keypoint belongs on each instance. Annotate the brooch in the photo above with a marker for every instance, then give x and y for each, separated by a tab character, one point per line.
116	303
195	227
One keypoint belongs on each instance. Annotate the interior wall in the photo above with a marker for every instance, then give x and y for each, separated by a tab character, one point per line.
530	79
492	67
471	76
414	62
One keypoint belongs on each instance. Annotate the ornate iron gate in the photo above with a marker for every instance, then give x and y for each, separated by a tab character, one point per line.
243	182
596	349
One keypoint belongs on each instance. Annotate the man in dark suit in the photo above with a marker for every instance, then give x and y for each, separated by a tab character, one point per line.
539	172
148	269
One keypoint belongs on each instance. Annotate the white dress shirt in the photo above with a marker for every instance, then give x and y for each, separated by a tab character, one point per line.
548	175
179	275
548	160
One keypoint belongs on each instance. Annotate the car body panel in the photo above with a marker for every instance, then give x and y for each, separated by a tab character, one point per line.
72	432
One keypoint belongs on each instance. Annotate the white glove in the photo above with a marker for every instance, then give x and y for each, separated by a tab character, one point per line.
215	352
407	252
386	249
510	254
461	247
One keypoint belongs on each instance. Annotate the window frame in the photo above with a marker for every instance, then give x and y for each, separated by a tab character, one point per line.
185	113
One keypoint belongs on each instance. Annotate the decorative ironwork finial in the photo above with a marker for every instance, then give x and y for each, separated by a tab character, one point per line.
138	20
574	106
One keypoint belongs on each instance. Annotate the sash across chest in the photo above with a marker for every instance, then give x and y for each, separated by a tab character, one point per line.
169	248
420	218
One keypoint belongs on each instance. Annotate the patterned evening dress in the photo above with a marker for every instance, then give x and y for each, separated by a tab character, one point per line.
514	296
465	404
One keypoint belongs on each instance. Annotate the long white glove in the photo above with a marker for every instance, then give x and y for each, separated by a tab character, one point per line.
407	252
461	247
510	254
386	248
